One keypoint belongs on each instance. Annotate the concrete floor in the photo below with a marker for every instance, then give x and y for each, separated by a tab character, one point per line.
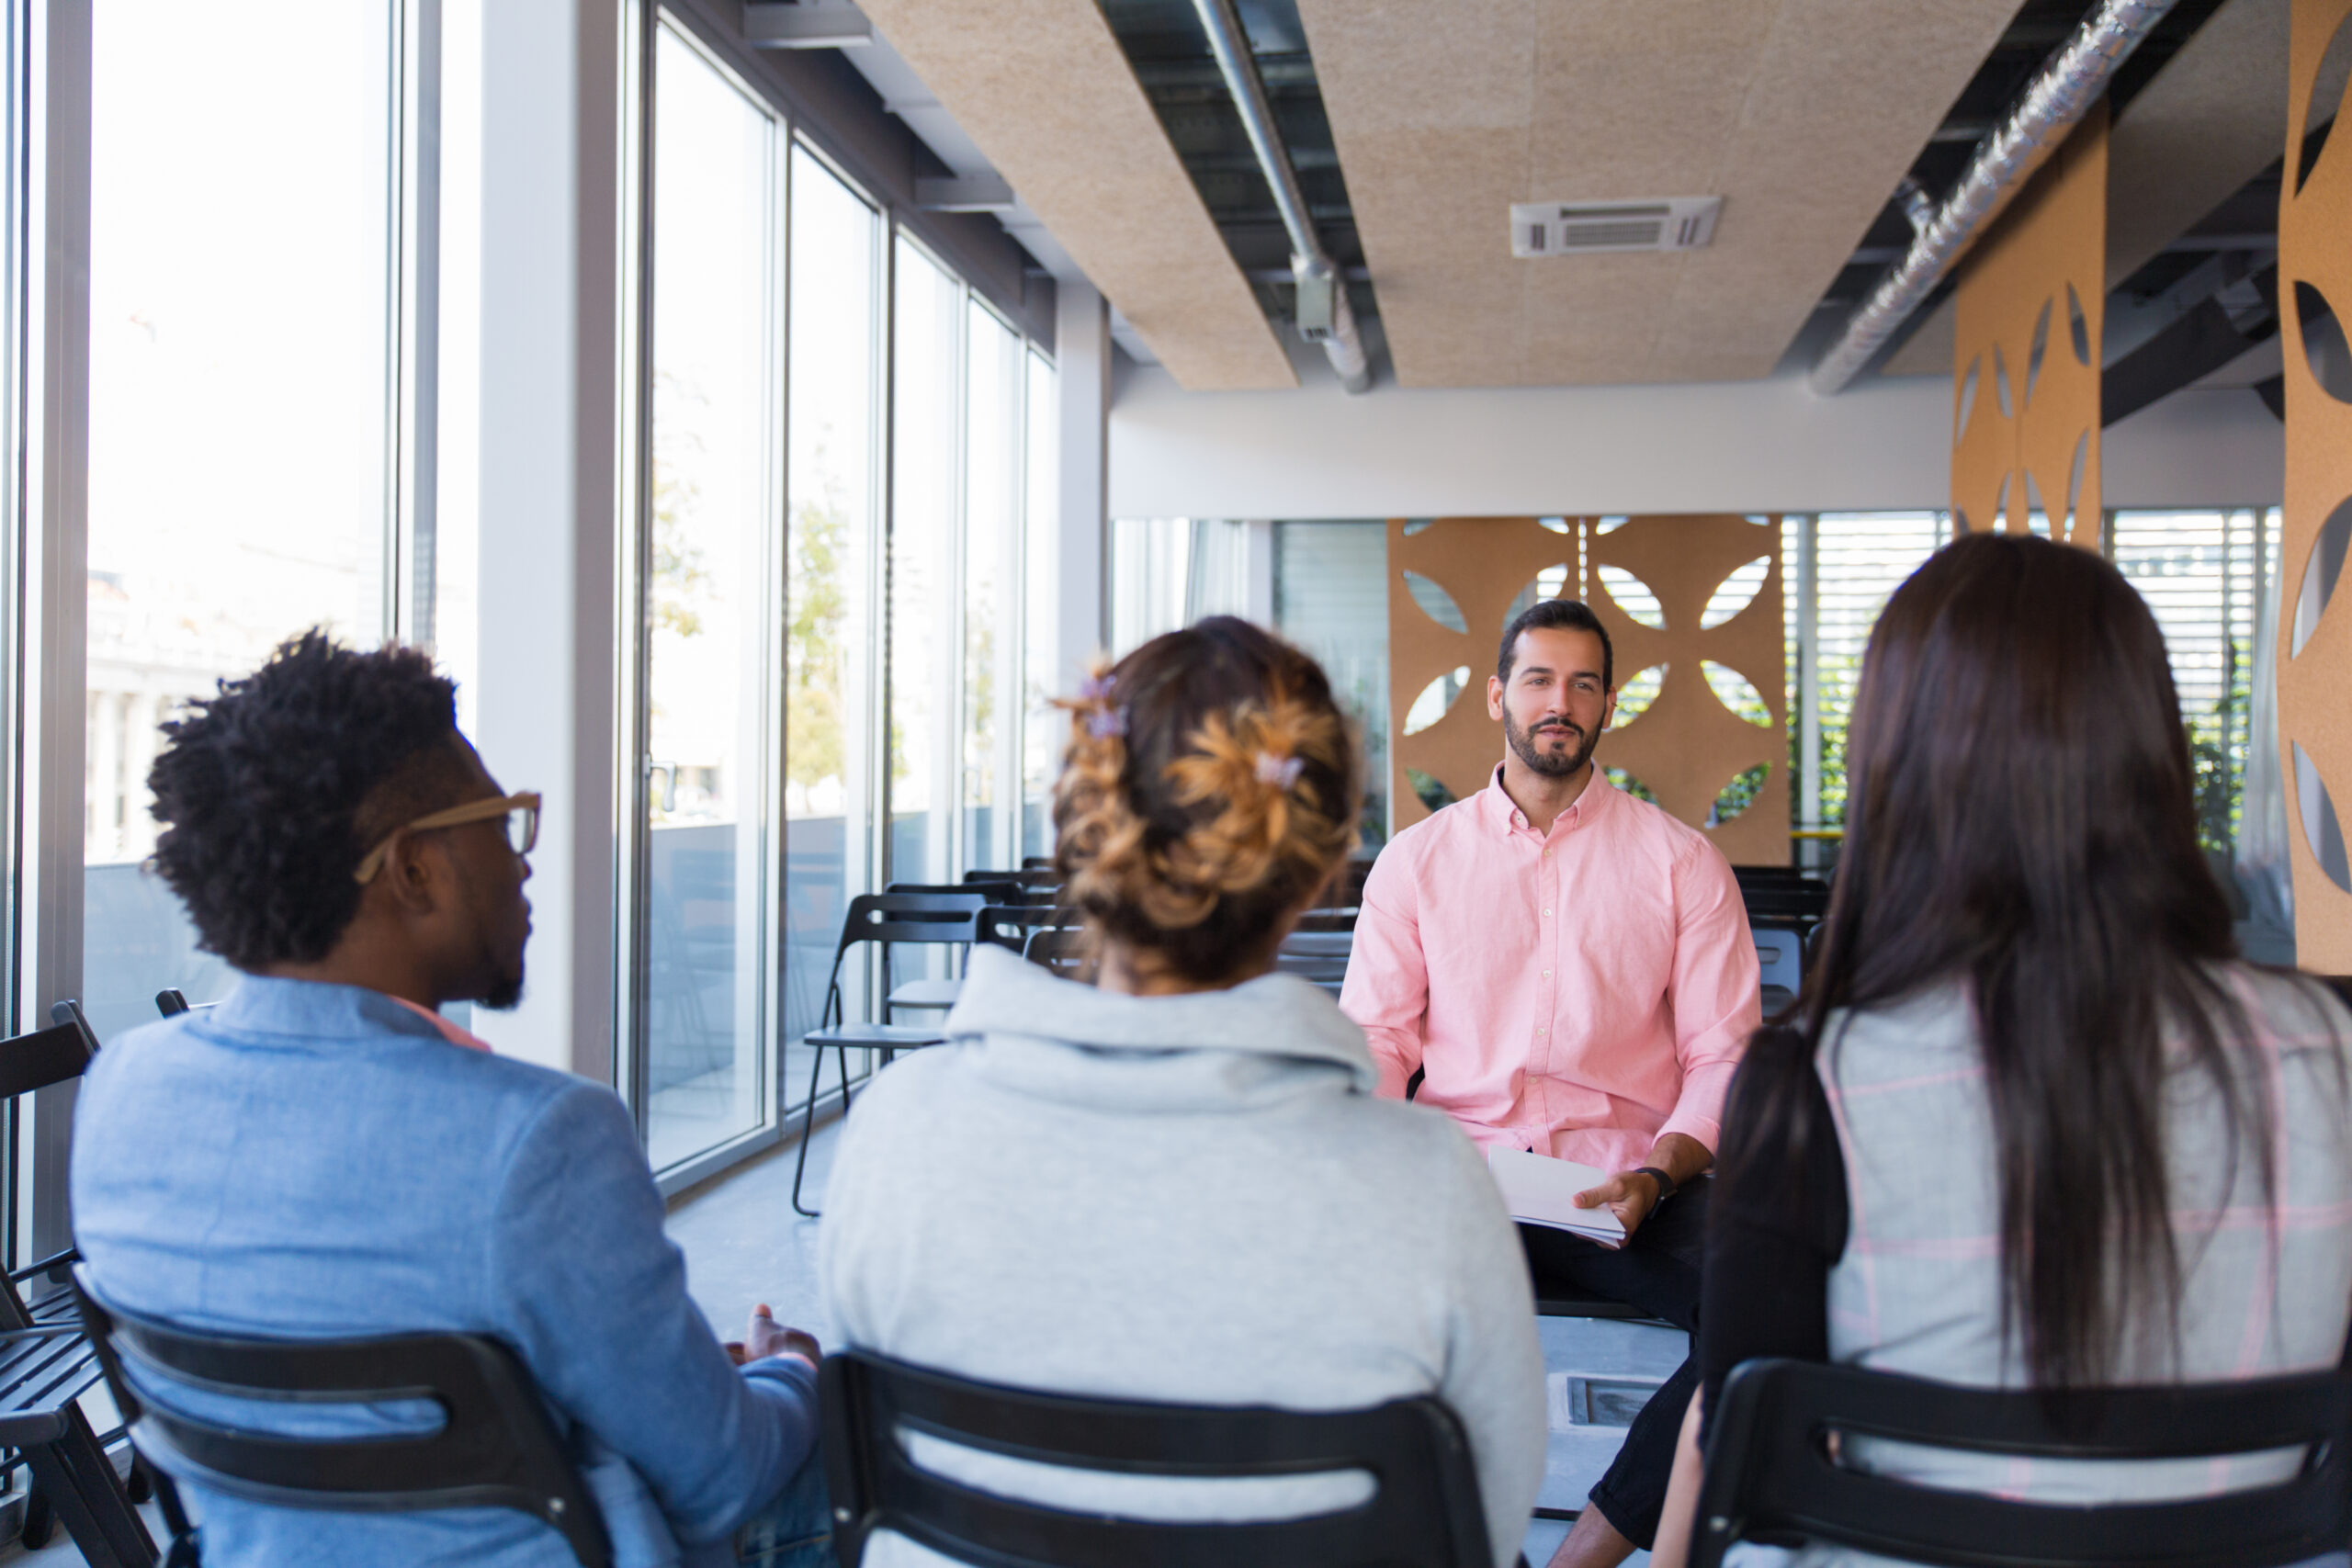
744	1246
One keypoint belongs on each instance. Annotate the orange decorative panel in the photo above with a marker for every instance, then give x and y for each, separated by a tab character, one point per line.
2028	315
2315	618
1656	582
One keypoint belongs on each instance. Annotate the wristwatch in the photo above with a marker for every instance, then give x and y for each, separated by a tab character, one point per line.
1665	1183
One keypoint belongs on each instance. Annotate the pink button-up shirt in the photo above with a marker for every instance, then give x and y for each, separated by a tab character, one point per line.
1577	993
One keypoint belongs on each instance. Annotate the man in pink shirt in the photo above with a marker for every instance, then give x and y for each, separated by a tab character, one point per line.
1570	972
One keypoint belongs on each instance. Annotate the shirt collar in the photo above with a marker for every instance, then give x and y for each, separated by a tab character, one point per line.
268	1005
1495	804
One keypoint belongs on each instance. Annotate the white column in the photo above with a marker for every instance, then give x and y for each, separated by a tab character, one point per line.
1083	362
554	97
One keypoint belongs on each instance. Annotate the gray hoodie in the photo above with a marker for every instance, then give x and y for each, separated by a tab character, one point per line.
1190	1198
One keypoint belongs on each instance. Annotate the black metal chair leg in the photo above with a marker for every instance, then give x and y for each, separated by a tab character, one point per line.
809	1123
41	1519
89	1499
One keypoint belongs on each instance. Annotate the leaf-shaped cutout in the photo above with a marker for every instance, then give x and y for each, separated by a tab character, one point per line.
1737	692
2323	346
2322	570
2326	101
1633	596
2036	516
1960	522
1432	794
1738	795
1630	785
2001	382
1635	696
1610	524
1549	584
2078	327
2002	522
2074	479
2322	829
2040	347
1967	400
1435	602
1415	524
1436	698
1557	524
1735	594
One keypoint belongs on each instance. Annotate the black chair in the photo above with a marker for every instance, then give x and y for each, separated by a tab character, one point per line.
931	993
498	1447
1423	1513
1058	947
1802	900
46	1363
890	920
1011	925
1771	1476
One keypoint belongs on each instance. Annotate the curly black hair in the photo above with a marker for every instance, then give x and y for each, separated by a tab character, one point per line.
270	792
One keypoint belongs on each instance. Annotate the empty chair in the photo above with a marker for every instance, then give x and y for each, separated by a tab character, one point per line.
1011	926
1423	1511
889	919
1779	961
497	1447
932	993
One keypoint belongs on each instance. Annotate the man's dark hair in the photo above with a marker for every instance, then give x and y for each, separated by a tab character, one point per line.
1556	615
271	791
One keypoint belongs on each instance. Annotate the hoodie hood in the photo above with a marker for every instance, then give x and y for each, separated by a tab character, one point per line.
1265	1038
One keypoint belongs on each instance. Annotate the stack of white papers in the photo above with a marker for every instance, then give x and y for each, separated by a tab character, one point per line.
1541	1190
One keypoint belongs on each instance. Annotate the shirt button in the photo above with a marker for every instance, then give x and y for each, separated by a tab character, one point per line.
1547	974
1542	1031
1547	914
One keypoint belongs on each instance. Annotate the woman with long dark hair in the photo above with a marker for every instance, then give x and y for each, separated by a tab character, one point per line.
2034	1125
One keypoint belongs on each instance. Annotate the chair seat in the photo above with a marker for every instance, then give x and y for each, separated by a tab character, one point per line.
1563	1300
42	1371
898	1036
927	994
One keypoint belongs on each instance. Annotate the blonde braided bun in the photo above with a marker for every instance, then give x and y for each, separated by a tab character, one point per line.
1211	787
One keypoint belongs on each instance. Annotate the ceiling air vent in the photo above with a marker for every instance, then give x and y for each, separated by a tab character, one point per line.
1578	227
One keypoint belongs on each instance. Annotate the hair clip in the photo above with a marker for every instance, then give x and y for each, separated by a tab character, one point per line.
1096	688
1280	772
1103	723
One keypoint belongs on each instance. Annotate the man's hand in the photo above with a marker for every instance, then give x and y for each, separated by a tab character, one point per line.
768	1337
1630	1196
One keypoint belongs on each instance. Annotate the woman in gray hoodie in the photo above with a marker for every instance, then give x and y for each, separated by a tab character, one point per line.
1175	1184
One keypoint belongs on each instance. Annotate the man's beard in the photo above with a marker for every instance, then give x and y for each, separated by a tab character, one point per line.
1555	765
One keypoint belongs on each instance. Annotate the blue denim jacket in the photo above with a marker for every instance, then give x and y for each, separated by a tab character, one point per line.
317	1160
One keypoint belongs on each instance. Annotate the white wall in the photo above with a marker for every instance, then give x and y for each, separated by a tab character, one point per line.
1733	447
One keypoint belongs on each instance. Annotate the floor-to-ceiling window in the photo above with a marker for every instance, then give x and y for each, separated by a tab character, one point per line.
992	533
1040	743
830	534
926	660
244	190
712	569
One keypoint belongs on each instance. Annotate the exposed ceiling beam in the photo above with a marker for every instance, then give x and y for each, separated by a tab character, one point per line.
1044	92
806	24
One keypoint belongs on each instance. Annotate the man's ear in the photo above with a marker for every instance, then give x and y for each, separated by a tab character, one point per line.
1494	697
415	873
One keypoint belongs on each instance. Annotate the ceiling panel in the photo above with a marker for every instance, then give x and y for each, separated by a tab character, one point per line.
1043	91
1803	114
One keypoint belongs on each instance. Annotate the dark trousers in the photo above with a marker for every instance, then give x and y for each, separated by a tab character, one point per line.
1658	1272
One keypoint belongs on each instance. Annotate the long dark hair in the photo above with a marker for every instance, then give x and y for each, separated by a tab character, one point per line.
2020	818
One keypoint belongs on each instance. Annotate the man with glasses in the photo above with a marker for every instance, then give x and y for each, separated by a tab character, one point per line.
324	1155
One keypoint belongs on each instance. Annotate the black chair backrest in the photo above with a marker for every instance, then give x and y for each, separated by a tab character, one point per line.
1770	1476
1058	947
52	1055
1027	876
1793	898
894	917
1011	925
946	894
1424	1510
499	1448
1327	920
